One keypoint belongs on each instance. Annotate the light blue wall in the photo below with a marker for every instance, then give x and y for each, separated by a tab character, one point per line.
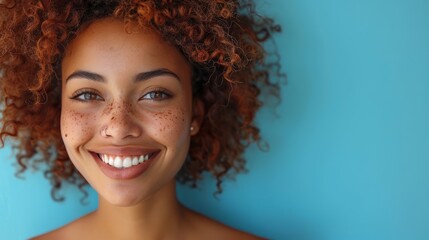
349	156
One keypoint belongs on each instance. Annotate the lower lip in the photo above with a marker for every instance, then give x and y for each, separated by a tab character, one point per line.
123	173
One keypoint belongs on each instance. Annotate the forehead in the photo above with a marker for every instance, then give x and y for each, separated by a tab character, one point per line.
106	44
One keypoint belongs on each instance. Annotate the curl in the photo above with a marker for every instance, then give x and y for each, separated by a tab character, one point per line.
221	39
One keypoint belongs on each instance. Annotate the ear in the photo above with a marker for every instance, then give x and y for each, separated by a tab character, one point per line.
198	112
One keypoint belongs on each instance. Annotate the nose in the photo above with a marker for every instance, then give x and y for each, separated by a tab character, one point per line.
120	122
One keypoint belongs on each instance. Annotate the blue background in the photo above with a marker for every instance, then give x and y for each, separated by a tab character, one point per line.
349	149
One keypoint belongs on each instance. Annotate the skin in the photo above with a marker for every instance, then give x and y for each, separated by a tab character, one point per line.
116	111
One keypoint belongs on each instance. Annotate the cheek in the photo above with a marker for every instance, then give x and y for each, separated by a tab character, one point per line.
76	127
170	124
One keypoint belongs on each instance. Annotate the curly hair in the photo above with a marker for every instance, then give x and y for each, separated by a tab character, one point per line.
220	38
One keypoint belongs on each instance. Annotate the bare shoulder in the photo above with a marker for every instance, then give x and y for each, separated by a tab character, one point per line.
55	234
208	228
68	231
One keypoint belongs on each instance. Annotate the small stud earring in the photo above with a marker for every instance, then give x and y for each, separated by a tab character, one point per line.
191	128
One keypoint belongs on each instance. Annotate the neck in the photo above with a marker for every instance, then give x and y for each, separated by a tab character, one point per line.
156	217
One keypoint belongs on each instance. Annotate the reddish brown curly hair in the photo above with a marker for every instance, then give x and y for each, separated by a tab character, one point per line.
220	38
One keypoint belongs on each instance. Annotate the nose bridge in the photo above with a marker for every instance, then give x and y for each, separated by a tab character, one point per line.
120	122
118	107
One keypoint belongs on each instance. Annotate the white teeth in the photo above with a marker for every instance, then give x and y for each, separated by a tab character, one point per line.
127	162
123	162
117	163
135	161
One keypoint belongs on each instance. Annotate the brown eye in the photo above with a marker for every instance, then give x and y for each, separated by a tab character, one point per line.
156	95
86	95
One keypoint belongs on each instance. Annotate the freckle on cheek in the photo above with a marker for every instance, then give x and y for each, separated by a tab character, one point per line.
78	123
108	109
169	121
182	113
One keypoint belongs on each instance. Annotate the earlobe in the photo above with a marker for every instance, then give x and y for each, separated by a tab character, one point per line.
198	112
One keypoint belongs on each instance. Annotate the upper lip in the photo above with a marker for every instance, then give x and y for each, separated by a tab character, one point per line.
124	151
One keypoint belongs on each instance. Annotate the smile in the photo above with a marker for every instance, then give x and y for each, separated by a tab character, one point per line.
124	161
121	166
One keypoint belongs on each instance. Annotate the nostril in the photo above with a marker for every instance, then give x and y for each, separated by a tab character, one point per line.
117	127
103	132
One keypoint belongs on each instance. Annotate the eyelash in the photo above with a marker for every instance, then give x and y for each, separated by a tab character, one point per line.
92	93
82	92
165	94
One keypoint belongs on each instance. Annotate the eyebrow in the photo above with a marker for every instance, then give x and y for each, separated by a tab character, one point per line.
139	77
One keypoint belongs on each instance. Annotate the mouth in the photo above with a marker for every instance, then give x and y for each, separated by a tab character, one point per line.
122	162
122	167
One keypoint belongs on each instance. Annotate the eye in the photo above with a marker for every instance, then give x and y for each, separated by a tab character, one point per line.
156	95
86	95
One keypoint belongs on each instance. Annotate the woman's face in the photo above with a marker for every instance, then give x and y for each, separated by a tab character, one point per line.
126	110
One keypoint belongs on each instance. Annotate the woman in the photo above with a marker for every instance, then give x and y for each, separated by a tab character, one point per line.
129	96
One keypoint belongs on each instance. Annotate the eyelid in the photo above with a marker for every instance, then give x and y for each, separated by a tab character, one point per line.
157	90
80	92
